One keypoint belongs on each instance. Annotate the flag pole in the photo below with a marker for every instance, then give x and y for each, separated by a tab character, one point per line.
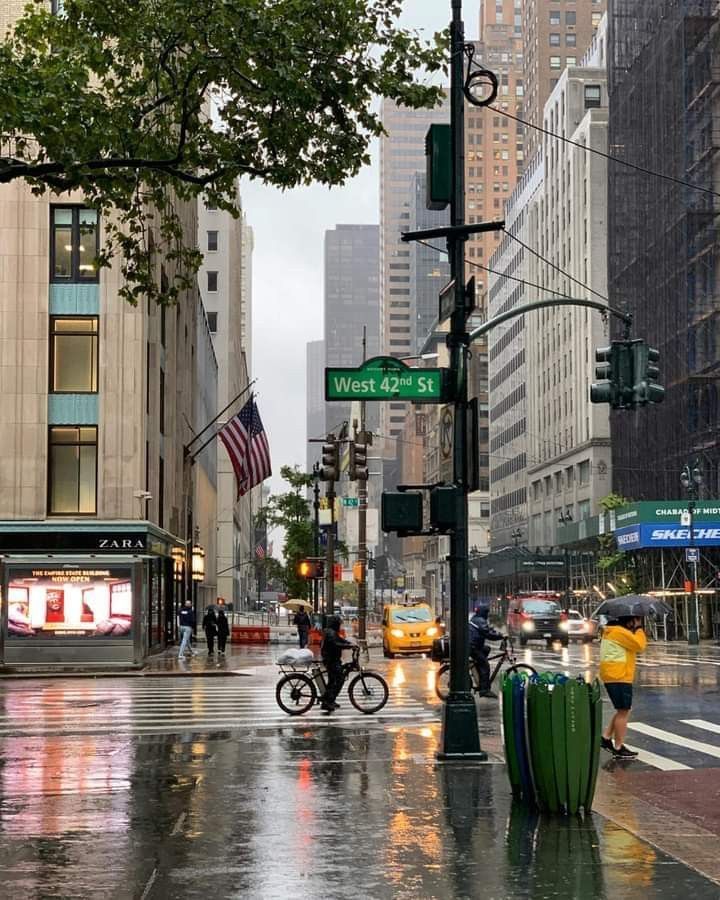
193	456
213	421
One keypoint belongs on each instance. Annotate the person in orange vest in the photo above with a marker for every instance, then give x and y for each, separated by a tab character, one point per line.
622	640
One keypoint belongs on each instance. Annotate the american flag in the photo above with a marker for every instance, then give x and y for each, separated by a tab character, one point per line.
247	446
260	551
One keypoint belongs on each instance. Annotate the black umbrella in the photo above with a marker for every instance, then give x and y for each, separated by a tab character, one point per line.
633	605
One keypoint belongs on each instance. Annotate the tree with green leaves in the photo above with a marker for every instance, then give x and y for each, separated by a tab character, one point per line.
140	105
612	557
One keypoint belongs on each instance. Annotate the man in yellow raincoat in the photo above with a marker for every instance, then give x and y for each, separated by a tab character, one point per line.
622	640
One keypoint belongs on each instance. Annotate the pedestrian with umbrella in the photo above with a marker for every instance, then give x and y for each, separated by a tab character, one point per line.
623	638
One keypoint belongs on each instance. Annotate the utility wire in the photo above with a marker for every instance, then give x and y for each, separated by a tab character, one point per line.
495	272
557	268
608	156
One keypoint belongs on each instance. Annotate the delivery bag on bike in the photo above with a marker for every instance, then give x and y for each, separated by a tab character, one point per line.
440	649
297	658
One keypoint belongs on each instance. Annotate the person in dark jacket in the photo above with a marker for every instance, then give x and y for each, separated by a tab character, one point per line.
480	631
186	625
209	624
302	623
223	630
331	651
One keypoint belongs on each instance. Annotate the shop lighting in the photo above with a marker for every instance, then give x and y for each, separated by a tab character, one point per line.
178	558
198	563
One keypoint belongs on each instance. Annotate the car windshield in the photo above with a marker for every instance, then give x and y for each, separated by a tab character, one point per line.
414	614
574	614
540	607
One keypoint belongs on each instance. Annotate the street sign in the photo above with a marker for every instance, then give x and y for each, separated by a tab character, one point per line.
447	299
351	501
692	554
384	378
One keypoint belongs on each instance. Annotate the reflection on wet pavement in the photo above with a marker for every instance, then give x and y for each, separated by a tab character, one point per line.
306	809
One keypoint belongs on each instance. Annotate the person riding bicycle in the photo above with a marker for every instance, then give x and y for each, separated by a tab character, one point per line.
480	631
331	652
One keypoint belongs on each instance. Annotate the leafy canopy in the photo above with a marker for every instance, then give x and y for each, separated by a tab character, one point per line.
114	98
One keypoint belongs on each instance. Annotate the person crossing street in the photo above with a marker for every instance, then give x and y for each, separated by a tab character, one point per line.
186	626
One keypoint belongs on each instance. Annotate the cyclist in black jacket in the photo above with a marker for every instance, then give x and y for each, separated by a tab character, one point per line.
480	631
331	651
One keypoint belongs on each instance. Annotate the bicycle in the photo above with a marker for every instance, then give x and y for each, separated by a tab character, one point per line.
297	692
507	653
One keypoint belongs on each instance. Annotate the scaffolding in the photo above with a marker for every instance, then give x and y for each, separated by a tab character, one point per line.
664	80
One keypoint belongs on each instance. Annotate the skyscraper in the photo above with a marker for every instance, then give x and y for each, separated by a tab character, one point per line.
402	154
315	399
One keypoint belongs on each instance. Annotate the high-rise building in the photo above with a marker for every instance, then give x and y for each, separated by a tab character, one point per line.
555	35
352	302
429	265
550	455
663	255
315	399
227	243
402	154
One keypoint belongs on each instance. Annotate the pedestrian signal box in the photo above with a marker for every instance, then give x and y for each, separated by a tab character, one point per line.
402	511
310	569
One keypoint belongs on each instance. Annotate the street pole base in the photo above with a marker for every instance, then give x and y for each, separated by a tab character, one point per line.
460	740
693	637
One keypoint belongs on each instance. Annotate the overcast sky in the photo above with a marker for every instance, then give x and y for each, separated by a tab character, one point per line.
288	271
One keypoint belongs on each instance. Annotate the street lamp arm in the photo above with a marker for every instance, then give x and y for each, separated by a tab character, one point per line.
542	304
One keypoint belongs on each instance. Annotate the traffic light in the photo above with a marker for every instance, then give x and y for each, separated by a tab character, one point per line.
646	373
402	511
358	470
616	370
311	568
438	156
330	468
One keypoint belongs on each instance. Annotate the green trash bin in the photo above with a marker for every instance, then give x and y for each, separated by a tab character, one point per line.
551	732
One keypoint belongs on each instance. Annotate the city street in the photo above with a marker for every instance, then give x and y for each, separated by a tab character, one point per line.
179	787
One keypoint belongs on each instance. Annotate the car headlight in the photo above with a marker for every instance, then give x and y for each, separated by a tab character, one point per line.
431	631
565	626
528	626
397	632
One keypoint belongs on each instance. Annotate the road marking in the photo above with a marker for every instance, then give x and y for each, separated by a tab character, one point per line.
670	738
658	762
179	824
701	723
149	884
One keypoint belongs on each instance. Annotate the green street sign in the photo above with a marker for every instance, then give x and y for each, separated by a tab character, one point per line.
385	378
351	501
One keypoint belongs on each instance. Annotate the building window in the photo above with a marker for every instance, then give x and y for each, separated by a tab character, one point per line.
554	62
584	472
555	17
211	206
74	355
74	244
570	60
593	97
554	40
72	470
212	240
212	282
583	510
570	40
212	322
570	17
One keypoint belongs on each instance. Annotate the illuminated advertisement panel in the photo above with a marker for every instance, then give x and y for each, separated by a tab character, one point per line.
70	602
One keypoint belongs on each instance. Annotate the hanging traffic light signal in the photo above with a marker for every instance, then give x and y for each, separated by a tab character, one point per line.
439	166
358	470
603	390
311	568
330	468
616	369
646	373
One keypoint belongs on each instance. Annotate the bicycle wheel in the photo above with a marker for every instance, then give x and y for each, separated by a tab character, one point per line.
368	692
442	681
295	693
520	669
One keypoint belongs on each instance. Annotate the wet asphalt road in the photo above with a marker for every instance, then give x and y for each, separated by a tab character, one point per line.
192	787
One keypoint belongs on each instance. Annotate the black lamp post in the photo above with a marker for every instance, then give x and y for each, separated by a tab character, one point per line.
564	519
691	479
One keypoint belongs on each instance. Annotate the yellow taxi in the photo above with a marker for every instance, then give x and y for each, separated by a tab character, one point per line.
408	629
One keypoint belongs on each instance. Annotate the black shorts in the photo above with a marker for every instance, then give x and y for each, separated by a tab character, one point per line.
620	694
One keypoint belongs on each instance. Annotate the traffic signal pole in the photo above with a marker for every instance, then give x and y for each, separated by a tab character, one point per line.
460	736
362	527
330	554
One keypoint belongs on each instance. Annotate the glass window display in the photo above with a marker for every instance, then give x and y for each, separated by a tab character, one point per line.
72	602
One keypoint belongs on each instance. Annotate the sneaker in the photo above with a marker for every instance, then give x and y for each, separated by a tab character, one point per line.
607	744
624	753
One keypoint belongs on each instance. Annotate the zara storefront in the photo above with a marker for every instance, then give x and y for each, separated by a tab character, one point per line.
87	595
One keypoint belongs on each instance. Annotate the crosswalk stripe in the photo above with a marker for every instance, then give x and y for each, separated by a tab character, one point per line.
701	723
678	740
657	761
221	725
